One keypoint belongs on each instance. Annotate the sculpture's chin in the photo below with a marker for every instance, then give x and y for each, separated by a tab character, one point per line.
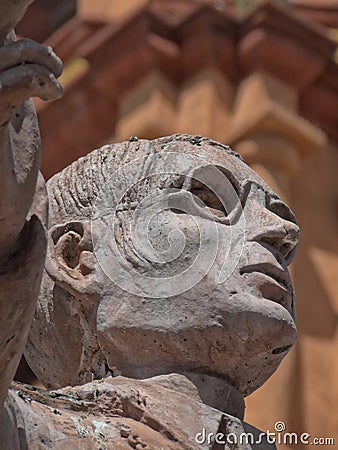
261	338
260	366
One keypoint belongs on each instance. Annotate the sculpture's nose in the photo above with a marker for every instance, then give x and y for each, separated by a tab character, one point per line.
276	233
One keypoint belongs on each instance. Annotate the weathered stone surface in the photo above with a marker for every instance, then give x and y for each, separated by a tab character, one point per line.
118	295
303	392
237	330
166	264
26	69
17	303
119	413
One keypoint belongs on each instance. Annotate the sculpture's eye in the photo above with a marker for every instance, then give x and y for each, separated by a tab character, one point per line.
206	198
215	191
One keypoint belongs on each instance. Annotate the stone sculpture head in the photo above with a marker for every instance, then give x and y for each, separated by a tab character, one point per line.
164	256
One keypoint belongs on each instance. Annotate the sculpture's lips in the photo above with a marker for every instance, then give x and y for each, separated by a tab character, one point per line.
273	281
270	270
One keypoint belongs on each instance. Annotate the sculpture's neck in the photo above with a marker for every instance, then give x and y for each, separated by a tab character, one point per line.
218	393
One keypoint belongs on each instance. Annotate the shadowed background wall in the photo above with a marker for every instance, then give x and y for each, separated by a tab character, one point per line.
261	76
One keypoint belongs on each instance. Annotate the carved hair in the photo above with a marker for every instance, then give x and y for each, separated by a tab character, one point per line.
73	191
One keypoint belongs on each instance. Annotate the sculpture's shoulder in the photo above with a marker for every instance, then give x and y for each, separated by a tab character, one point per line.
119	413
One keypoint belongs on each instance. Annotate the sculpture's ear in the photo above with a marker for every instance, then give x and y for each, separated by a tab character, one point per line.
70	259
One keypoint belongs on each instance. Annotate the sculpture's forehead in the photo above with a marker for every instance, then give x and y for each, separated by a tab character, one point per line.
209	152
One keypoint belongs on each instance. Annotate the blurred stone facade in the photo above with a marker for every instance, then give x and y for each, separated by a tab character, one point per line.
260	76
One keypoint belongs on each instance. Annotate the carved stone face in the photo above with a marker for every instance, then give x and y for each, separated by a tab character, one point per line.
190	269
240	327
